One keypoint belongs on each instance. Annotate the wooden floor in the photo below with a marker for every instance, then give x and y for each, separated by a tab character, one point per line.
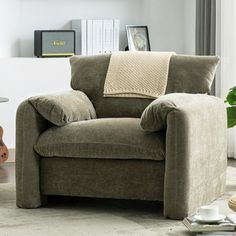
7	171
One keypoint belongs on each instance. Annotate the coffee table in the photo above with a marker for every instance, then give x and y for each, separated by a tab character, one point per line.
3	148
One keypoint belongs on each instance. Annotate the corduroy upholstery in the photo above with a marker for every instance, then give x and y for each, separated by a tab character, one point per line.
187	74
89	178
64	107
108	138
183	165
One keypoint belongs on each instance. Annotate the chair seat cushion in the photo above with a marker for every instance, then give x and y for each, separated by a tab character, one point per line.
112	138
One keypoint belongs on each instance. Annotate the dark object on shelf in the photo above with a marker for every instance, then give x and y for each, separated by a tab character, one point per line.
54	43
138	38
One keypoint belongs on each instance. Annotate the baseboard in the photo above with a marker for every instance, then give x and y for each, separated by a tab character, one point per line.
11	157
231	155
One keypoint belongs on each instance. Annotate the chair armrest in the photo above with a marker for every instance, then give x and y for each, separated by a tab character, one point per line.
154	117
29	125
64	107
196	153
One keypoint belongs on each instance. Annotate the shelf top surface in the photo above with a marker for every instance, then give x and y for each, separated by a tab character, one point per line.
4	99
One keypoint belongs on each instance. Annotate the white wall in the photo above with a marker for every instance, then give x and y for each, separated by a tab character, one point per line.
165	19
171	24
9	28
57	14
189	26
21	78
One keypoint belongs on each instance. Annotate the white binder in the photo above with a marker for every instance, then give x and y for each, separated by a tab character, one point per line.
84	37
97	41
80	28
108	36
96	36
89	37
116	40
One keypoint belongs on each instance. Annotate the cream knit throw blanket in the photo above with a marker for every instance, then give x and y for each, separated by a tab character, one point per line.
137	74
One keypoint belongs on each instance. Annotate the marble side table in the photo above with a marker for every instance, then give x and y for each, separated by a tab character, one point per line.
3	148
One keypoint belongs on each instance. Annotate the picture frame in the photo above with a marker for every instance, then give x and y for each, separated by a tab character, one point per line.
138	38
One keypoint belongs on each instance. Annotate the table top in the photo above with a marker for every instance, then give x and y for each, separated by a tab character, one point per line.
4	99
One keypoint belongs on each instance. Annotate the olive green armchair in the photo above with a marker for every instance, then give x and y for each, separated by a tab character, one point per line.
80	143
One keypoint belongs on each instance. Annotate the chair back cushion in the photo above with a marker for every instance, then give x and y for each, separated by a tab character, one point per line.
189	74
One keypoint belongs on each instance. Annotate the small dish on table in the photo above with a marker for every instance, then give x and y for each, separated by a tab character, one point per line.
216	220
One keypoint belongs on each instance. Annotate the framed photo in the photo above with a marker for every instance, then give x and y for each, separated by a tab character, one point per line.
138	38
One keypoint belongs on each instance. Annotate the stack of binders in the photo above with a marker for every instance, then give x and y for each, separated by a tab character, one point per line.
96	36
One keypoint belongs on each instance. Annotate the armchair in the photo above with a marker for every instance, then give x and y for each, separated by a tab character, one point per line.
177	155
